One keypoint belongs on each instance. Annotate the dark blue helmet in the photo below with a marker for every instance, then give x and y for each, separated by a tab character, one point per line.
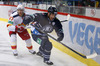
52	10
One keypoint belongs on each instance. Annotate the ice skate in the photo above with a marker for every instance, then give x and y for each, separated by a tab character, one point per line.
48	62
32	51
39	54
15	53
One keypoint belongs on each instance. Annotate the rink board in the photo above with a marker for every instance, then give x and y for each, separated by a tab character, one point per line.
72	41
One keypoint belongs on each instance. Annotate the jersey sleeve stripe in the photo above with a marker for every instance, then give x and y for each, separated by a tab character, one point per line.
10	22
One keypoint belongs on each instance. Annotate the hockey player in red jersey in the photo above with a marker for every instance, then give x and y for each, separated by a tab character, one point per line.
15	26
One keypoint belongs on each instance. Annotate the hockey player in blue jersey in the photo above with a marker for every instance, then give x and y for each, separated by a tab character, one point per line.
45	22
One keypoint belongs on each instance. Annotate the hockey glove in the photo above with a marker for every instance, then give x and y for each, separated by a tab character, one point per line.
60	36
19	28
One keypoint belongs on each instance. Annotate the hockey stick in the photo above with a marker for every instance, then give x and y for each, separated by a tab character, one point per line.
84	56
87	57
64	21
68	16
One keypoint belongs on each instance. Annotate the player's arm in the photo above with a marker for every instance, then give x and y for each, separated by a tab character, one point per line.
59	30
28	19
31	18
10	25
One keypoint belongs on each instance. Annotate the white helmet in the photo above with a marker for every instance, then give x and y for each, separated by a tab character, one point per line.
20	6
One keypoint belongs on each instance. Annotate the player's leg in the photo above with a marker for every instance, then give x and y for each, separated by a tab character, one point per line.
47	52
25	36
41	40
37	38
45	47
29	46
13	39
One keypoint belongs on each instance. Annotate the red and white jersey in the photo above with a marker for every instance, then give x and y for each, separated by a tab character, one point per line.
14	20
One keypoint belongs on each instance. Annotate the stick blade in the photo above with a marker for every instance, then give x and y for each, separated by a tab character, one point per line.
91	56
68	16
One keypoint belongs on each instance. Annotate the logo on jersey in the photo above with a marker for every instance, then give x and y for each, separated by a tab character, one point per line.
11	18
53	23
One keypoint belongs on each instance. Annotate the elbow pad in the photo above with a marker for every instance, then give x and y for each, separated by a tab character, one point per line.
11	28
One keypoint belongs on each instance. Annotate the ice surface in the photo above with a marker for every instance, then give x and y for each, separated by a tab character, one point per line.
27	59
